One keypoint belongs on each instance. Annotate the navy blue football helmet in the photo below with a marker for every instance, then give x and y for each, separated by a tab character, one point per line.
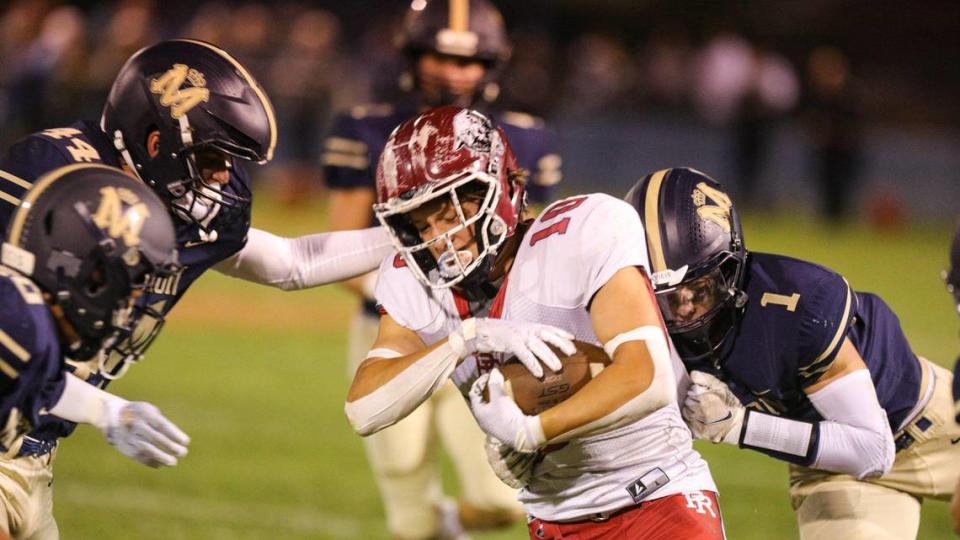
207	109
471	30
90	237
697	257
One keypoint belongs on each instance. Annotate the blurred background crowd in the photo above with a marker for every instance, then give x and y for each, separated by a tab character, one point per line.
840	107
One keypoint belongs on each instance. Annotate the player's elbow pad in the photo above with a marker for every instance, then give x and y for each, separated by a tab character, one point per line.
394	400
661	391
856	438
862	453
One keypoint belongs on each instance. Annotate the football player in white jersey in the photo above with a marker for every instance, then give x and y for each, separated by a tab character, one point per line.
473	284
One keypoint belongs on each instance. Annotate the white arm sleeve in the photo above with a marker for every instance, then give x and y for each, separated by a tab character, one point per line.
307	261
405	392
84	403
855	438
660	393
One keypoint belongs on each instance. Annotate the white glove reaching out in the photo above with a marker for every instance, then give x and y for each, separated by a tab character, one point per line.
501	418
138	430
712	411
527	341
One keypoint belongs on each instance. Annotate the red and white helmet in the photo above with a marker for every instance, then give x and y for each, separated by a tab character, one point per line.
447	152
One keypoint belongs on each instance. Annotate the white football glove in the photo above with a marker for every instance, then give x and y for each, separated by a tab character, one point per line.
513	468
712	411
525	340
138	430
501	418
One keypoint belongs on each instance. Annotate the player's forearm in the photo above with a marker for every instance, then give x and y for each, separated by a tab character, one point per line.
597	403
388	386
83	403
854	439
639	381
307	261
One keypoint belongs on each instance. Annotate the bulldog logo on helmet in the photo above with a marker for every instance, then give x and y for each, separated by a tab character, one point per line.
472	131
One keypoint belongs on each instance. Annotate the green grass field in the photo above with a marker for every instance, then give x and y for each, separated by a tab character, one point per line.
257	377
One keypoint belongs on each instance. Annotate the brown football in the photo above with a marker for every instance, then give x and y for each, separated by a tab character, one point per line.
534	396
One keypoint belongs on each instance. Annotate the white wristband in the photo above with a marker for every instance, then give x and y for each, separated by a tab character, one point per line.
84	403
769	432
460	340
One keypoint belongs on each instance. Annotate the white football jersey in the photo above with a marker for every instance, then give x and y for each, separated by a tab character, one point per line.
569	252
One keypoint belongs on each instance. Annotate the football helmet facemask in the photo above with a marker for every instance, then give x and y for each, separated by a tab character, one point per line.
697	255
207	109
454	156
91	237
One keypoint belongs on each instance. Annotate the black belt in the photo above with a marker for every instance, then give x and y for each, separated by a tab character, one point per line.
35	447
905	440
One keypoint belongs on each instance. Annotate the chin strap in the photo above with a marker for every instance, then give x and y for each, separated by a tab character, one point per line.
125	154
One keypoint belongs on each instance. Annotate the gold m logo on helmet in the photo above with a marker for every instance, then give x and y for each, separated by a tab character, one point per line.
180	100
121	214
719	211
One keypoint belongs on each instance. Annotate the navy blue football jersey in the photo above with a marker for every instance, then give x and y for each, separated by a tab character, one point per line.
354	145
796	317
35	155
31	364
39	153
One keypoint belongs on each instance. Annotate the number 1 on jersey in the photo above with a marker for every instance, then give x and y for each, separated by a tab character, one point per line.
790	302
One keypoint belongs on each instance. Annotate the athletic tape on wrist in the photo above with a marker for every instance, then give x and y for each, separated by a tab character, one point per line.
459	339
783	438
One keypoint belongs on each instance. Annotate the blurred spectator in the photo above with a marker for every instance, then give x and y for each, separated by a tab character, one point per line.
252	35
62	48
748	87
130	27
771	92
665	62
724	74
599	75
532	83
833	125
310	79
207	23
20	82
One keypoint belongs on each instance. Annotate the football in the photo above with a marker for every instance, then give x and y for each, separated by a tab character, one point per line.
534	395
